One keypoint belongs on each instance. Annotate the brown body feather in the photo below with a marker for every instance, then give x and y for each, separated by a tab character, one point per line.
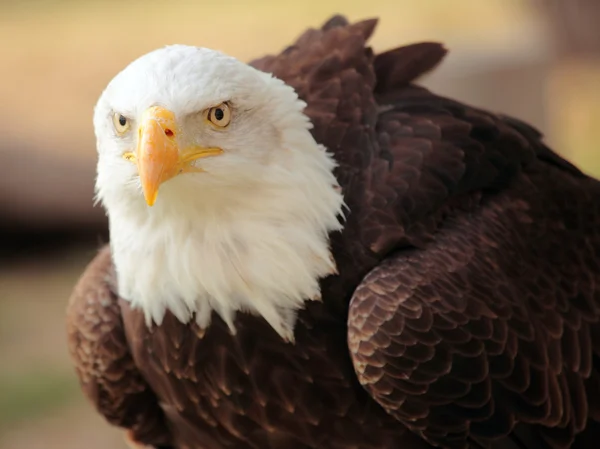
467	291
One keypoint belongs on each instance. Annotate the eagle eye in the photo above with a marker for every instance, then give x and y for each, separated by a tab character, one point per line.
121	123
220	115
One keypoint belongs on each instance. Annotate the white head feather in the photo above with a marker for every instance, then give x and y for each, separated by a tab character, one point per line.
248	234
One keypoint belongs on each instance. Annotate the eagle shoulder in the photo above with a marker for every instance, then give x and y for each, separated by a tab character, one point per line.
99	350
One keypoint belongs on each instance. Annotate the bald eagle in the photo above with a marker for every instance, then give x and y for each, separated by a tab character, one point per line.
311	251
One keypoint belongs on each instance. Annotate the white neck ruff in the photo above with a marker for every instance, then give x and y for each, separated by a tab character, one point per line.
261	250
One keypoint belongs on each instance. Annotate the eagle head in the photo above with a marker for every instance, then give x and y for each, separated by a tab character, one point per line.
218	197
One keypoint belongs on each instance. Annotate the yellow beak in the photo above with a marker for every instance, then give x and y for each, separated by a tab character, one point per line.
158	156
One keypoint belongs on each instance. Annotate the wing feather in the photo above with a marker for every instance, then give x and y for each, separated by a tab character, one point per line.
457	344
98	346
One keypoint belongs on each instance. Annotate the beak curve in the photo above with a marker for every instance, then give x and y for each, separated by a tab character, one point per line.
158	156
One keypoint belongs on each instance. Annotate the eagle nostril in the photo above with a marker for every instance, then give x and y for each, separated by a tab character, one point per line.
168	132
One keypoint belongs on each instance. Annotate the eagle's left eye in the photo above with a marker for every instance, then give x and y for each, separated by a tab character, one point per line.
121	123
220	115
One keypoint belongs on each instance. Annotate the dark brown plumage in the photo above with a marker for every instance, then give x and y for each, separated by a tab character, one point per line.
467	291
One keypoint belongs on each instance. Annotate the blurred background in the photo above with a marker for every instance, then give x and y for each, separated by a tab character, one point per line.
538	60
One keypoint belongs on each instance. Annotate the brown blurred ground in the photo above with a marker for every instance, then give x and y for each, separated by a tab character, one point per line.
58	55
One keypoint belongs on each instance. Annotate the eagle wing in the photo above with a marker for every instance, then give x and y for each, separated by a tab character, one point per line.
480	318
494	323
105	368
481	321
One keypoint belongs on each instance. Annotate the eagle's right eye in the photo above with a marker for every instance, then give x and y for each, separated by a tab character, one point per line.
121	123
